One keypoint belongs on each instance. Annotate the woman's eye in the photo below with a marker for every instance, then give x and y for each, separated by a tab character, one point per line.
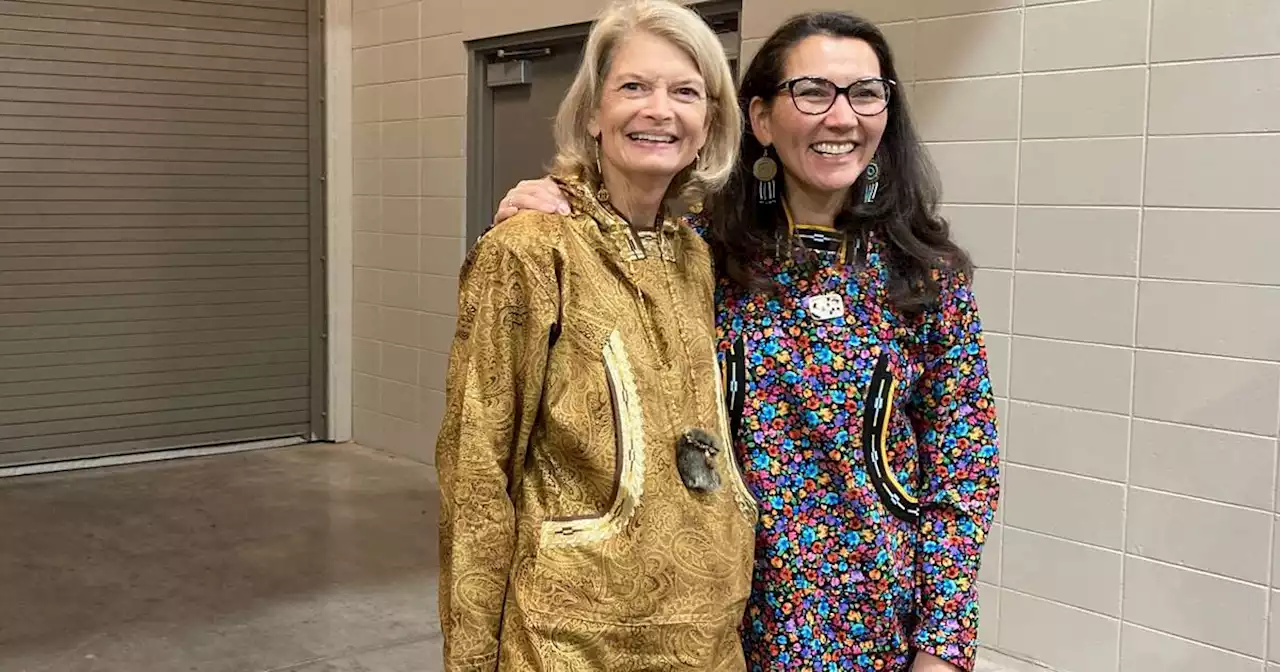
688	93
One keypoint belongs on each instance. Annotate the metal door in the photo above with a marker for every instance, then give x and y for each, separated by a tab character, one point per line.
160	225
523	114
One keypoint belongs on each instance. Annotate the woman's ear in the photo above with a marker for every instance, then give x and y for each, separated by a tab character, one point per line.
760	122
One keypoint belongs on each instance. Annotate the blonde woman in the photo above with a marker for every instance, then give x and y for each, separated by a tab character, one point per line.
593	517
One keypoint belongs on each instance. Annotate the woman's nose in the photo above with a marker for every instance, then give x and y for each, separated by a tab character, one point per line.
659	106
841	114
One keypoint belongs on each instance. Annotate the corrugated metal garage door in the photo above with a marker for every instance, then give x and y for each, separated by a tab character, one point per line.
160	225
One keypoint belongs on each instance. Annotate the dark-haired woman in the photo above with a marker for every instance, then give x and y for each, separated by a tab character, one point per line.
855	370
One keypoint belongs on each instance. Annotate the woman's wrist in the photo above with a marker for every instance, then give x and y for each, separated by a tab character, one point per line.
926	662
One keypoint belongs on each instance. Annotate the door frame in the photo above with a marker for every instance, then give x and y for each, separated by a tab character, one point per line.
480	187
339	196
317	198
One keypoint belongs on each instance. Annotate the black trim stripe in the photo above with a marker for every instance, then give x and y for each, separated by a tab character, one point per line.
735	391
877	411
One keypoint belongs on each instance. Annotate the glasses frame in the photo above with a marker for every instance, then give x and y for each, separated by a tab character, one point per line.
841	91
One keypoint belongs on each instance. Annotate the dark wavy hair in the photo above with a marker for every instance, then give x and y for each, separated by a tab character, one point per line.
904	213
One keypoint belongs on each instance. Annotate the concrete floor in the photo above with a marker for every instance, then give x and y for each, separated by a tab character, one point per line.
308	559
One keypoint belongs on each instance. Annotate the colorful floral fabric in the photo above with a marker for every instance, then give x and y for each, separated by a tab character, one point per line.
869	440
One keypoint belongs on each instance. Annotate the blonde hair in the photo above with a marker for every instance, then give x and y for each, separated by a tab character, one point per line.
577	151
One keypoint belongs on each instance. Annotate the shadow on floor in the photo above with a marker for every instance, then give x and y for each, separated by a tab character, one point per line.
316	558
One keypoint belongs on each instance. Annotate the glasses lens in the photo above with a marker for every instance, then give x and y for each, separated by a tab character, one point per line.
813	96
869	97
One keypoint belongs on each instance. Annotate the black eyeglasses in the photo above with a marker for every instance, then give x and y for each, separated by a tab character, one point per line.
815	95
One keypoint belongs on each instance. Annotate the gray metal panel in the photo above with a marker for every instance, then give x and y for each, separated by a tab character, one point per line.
23	60
161	283
24	45
288	11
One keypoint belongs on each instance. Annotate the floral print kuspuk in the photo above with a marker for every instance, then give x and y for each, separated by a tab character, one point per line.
869	440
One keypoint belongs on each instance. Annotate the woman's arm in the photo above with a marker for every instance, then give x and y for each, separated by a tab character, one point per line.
506	309
953	412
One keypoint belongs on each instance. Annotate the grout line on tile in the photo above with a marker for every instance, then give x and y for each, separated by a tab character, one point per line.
1196	208
976	205
438	313
1133	338
1013	288
1210	283
1064	605
1067	407
1214	136
1079	138
1075	274
1067	341
1056	3
1202	500
1156	65
1005	141
1057	472
1079	71
1195	570
1184	639
1270	602
1278	457
1223	59
981	12
970	78
1065	540
433	78
397	42
1184	425
1209	355
1142	349
1045	404
1267	653
1082	205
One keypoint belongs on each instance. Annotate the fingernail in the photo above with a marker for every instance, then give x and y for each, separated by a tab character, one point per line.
563	209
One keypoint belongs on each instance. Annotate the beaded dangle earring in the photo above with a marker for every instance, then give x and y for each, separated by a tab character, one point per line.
765	169
871	184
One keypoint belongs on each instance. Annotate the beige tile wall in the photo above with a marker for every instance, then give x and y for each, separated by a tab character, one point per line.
409	68
1111	166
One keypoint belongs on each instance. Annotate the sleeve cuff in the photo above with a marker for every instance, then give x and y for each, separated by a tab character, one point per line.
952	645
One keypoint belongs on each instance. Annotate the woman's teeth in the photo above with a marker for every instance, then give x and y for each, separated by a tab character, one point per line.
832	147
649	137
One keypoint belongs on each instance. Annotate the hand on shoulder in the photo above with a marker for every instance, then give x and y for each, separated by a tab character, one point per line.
541	195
